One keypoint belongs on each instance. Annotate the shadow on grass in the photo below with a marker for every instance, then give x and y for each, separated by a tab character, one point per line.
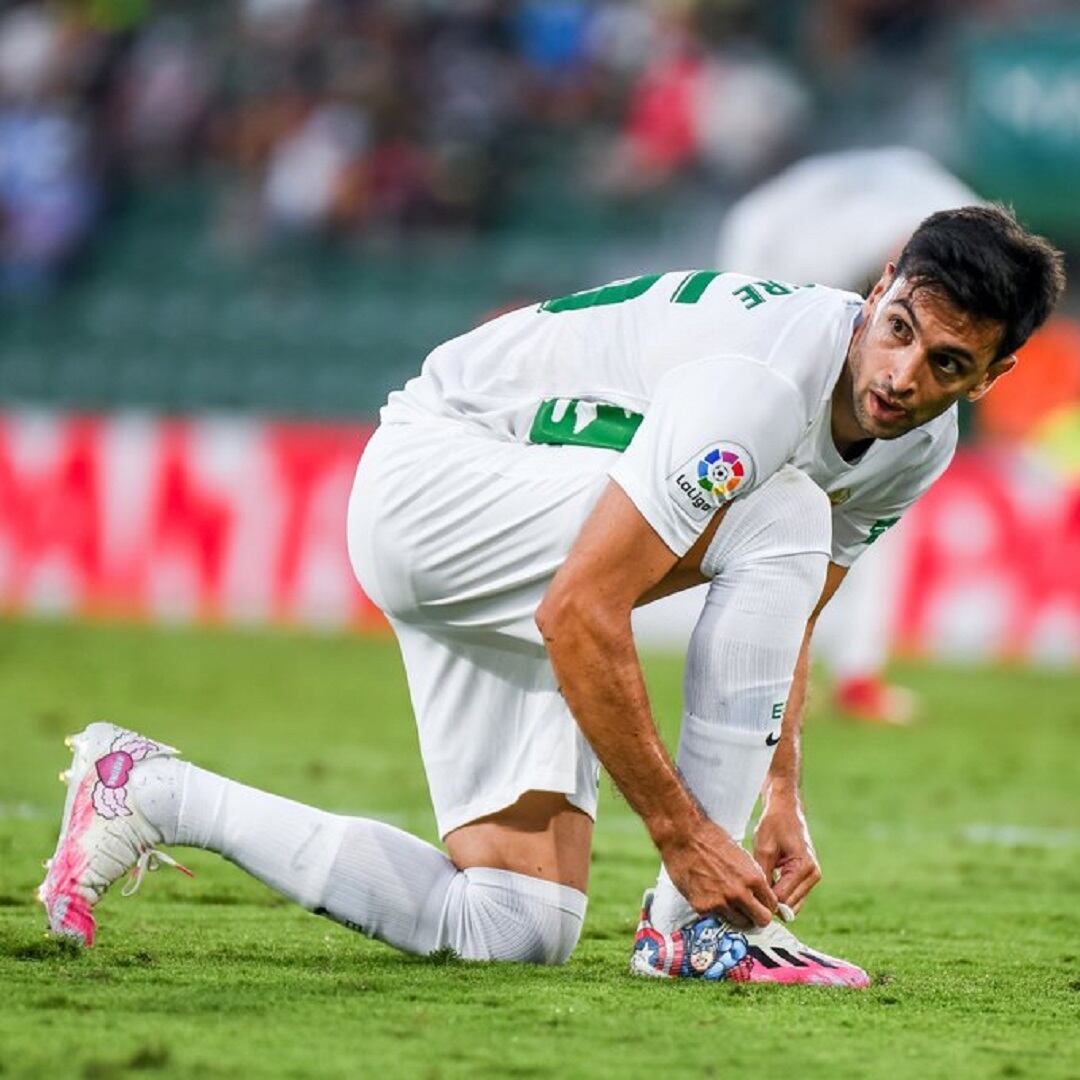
149	1057
39	949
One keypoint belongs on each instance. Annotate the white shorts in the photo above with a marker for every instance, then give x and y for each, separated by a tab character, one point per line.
456	535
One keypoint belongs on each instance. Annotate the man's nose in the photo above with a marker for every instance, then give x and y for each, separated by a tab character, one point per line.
904	377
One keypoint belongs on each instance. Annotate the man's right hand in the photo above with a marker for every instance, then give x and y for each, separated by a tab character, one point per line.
715	874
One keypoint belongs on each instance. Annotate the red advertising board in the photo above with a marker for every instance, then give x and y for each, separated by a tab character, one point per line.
991	561
208	518
227	519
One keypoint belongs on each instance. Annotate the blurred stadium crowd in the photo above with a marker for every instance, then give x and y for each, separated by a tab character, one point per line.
342	118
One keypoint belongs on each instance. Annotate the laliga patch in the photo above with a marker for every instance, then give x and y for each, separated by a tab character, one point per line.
711	478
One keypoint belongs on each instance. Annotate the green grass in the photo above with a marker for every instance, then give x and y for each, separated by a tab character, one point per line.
972	933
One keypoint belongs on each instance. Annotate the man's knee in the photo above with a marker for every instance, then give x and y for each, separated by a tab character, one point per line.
499	915
800	534
542	835
802	517
520	895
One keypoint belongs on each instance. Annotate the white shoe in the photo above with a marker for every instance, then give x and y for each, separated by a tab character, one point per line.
779	956
103	834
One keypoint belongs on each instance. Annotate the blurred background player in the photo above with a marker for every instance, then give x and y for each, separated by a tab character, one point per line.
836	219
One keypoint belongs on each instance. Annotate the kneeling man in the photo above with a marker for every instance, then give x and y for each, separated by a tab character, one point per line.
542	476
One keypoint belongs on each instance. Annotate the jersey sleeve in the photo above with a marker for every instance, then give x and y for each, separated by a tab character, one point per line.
860	522
716	429
855	528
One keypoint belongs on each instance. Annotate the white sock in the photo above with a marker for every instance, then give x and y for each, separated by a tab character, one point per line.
725	770
364	874
767	564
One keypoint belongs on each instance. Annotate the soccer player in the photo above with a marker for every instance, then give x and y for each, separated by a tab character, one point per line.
542	476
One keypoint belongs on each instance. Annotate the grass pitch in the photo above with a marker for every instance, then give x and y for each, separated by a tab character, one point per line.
951	873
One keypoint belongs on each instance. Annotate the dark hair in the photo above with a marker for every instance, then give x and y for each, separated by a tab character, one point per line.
989	266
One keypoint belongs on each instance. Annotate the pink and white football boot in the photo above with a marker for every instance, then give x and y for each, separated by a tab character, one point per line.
710	949
103	834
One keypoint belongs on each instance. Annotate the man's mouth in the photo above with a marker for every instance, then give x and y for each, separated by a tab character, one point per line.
882	408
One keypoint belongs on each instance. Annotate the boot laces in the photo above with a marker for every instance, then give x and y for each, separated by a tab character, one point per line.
149	859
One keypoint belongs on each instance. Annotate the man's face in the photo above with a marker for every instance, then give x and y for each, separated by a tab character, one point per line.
914	355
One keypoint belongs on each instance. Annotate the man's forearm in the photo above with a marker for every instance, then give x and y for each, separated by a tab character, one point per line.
600	677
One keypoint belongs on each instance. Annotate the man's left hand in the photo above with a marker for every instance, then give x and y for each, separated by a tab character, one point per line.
783	849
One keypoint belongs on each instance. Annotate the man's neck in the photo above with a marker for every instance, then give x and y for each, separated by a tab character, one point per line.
848	437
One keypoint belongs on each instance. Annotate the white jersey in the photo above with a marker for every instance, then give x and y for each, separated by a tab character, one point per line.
708	382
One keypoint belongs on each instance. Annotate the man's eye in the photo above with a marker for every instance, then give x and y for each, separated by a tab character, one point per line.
947	365
899	327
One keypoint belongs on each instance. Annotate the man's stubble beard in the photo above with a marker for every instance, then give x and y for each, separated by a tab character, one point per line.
866	422
858	407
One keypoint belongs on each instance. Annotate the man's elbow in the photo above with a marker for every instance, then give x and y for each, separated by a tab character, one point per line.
555	613
565	616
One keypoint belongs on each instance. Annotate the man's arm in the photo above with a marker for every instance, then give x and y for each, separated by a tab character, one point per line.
782	840
585	621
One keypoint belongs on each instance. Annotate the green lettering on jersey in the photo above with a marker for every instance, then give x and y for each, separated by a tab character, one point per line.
777	288
573	422
693	286
778	710
880	526
606	294
749	296
689	291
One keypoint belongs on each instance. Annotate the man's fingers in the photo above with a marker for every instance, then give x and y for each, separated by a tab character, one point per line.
734	917
766	859
756	912
735	887
796	880
784	887
764	894
761	904
749	910
792	875
800	893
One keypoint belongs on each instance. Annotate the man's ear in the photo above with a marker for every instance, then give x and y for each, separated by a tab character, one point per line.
993	373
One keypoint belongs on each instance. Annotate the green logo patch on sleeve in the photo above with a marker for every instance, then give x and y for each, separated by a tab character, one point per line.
573	422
